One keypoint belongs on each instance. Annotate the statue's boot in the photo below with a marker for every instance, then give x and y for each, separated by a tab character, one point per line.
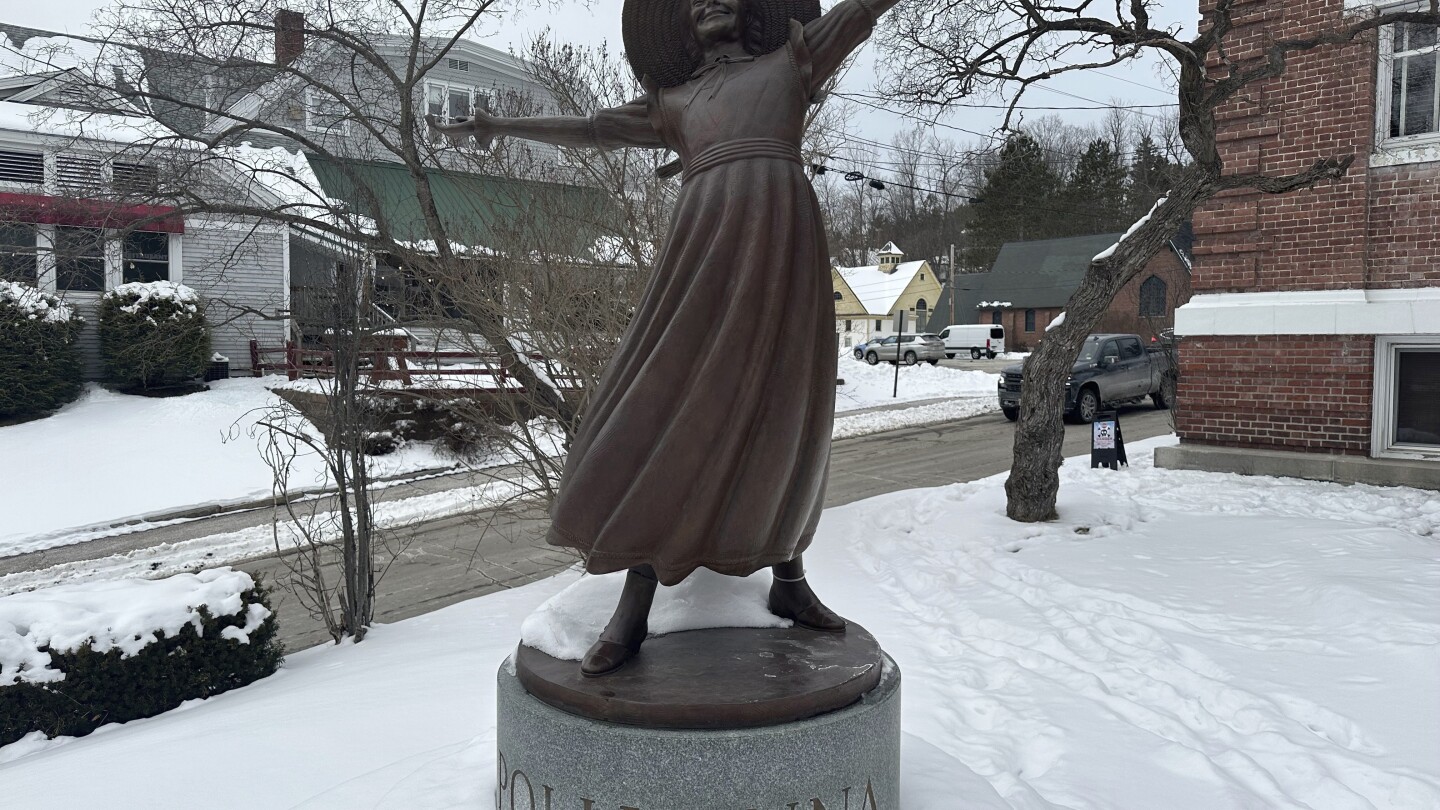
622	637
791	598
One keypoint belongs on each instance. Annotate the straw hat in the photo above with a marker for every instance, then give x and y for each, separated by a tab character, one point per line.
657	33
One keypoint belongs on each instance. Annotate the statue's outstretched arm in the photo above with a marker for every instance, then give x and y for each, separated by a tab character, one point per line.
614	128
833	36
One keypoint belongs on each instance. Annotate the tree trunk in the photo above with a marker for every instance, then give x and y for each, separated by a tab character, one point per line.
1034	480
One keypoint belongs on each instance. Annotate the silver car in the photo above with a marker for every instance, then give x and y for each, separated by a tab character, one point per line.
909	350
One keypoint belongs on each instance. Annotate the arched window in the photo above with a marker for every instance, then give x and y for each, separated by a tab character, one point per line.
1029	320
995	317
921	306
1152	297
839	296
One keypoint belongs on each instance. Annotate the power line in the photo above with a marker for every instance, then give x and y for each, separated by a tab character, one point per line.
860	99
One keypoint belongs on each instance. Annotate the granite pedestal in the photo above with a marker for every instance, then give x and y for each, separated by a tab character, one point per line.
847	757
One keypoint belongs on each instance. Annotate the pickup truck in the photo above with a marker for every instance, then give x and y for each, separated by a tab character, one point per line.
1110	370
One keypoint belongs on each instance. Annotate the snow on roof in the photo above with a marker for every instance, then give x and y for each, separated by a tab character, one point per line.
64	123
878	290
891	248
28	51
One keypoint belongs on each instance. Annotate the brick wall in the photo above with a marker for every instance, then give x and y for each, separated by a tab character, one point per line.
1282	392
1374	228
1322	107
1404	235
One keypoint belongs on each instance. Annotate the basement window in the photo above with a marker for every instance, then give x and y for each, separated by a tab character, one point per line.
1406	415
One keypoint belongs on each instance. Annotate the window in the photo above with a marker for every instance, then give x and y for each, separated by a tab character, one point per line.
79	259
995	317
847	326
838	296
26	168
1029	320
146	256
452	102
877	326
997	334
1411	63
17	253
1406	416
1130	349
325	113
1152	297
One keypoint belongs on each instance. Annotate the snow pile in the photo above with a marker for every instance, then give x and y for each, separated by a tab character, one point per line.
144	295
868	386
863	424
1059	319
1178	640
993	305
33	304
569	622
125	614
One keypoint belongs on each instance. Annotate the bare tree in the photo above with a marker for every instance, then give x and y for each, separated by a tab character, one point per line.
944	50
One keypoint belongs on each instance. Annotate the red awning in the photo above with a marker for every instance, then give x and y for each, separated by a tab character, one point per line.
46	210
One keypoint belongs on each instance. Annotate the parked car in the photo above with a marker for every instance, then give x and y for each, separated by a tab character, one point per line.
979	339
910	350
1110	370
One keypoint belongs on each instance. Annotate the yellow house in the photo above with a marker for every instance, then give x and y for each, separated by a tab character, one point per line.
867	298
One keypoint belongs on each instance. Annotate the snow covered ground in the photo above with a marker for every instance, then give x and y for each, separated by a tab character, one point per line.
1176	640
108	457
868	386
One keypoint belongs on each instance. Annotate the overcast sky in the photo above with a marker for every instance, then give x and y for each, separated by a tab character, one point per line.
599	21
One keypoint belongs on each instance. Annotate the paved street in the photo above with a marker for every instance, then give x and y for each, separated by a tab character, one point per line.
441	562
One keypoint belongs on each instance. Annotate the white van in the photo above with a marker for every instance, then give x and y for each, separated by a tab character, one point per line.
979	339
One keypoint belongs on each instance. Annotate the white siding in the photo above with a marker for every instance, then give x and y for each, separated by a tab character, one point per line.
241	273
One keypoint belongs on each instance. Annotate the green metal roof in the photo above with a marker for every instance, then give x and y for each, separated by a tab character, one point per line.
503	214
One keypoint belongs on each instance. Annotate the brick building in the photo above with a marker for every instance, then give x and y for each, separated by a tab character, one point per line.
1312	344
1031	282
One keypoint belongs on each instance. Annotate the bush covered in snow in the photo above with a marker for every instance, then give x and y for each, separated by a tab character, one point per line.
153	335
75	657
39	361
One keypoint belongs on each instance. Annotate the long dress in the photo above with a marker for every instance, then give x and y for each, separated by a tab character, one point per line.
707	441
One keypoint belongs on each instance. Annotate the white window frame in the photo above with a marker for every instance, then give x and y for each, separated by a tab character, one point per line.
446	88
1421	148
1382	416
313	99
45	262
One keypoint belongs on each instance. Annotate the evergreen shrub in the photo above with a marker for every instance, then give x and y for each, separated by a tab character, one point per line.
109	687
153	335
39	360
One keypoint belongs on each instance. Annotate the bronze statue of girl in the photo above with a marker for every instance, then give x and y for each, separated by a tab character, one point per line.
703	446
